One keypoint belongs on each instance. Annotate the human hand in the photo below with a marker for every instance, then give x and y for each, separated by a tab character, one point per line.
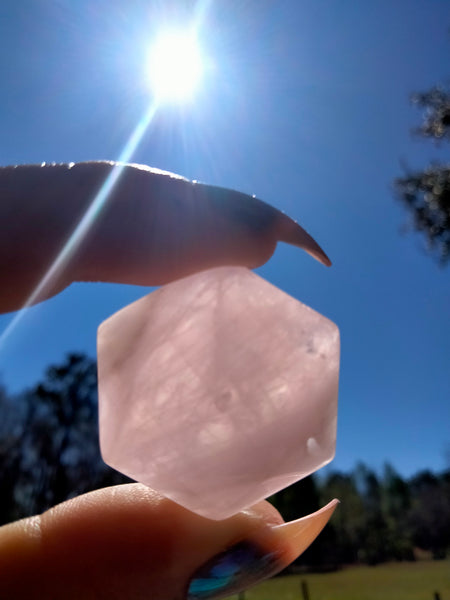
60	225
128	541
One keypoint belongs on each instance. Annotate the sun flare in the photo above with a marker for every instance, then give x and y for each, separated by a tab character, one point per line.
175	66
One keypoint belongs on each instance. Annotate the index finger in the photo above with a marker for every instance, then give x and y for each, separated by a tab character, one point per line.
106	221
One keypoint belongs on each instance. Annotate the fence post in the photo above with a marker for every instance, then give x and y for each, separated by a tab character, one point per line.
437	596
305	591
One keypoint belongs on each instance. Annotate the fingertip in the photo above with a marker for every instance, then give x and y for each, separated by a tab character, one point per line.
126	541
297	535
267	512
291	232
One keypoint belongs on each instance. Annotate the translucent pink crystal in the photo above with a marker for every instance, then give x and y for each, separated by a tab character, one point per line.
218	390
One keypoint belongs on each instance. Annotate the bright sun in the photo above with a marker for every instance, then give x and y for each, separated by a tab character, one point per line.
175	66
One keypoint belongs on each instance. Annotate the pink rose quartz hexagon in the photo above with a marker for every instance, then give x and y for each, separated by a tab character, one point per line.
218	390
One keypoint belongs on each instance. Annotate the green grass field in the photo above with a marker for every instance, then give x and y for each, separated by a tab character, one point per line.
394	581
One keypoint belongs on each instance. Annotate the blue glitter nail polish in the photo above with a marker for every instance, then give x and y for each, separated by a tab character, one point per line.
232	571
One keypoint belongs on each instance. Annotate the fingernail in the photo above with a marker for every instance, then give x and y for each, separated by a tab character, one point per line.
232	571
297	535
292	233
248	563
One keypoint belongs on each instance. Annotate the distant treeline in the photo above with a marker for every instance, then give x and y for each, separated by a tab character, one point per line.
380	518
49	452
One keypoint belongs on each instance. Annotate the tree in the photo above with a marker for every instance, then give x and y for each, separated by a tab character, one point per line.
301	498
426	194
396	505
59	456
10	456
347	529
430	512
374	548
436	103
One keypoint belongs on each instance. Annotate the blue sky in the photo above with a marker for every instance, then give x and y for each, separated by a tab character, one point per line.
305	104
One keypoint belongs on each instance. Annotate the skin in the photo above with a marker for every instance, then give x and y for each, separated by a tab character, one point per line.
153	229
120	542
128	541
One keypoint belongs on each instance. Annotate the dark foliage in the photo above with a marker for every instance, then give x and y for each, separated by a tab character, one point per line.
379	519
51	453
436	106
426	193
430	512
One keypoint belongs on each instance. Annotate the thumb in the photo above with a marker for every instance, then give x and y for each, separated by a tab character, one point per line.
129	542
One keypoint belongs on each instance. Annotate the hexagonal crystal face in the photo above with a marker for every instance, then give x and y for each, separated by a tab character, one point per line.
218	390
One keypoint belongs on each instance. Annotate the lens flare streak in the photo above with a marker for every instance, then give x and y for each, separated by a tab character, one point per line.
98	202
87	220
